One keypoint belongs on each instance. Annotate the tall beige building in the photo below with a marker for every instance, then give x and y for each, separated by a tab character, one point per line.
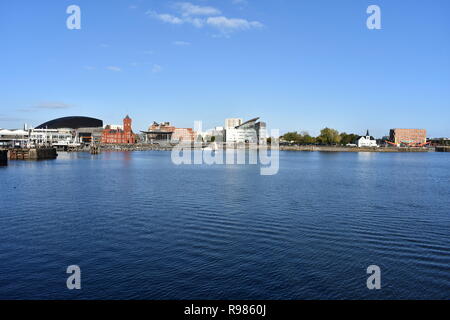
233	123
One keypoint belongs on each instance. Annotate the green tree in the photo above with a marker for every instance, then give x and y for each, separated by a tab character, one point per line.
306	138
348	138
329	136
292	137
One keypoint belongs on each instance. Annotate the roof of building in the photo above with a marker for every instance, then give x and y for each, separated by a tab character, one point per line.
365	137
247	123
157	132
72	123
13	132
112	131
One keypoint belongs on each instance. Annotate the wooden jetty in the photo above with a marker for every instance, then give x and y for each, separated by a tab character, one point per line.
33	154
3	158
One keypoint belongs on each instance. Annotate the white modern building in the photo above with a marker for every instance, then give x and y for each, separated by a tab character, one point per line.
366	141
53	137
13	138
251	131
36	137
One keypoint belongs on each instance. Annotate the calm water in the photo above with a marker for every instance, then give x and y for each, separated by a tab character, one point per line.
140	227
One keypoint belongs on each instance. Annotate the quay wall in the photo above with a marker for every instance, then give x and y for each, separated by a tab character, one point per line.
3	157
134	147
443	149
33	154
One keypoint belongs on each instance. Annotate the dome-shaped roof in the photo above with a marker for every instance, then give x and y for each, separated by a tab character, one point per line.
72	123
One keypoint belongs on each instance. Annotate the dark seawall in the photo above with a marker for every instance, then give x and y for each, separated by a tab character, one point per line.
3	157
33	154
443	149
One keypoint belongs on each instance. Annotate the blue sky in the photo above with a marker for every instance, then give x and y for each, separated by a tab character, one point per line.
300	65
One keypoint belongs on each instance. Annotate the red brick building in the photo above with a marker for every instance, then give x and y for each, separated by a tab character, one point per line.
166	132
183	134
119	136
408	136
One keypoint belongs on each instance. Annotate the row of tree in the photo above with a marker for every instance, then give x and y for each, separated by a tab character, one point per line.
327	136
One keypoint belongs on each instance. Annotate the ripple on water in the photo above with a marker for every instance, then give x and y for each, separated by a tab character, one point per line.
141	227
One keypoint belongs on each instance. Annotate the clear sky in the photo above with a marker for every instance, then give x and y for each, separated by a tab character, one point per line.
298	64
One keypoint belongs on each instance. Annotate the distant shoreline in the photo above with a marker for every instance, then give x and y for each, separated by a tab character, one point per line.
147	147
353	149
144	147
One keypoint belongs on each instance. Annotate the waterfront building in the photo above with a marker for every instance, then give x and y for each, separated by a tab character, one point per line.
84	129
439	142
159	132
261	132
250	131
165	132
233	123
119	136
217	134
13	138
366	141
60	138
408	136
183	134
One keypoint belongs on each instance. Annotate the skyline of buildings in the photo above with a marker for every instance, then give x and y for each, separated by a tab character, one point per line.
229	123
74	131
237	121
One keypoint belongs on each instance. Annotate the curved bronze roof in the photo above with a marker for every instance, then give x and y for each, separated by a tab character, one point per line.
72	123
